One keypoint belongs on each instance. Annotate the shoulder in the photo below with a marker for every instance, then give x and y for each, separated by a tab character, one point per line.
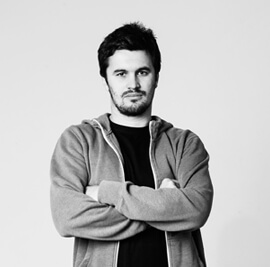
82	132
179	137
176	133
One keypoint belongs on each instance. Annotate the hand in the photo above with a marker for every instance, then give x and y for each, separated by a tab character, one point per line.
167	183
92	191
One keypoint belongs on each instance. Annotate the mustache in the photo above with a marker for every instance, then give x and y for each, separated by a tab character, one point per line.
134	91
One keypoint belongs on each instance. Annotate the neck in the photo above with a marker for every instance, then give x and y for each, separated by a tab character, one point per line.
131	121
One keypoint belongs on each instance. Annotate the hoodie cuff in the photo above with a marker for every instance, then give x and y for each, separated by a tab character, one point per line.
109	192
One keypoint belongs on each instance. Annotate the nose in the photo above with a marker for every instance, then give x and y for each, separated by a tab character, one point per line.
133	82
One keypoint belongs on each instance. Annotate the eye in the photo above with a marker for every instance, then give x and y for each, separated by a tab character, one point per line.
121	73
143	73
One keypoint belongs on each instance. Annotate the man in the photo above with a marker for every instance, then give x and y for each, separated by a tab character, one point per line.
132	189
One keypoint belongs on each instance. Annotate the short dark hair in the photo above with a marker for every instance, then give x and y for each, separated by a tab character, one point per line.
133	36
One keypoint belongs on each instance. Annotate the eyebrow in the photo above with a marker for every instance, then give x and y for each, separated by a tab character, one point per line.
144	68
119	70
138	70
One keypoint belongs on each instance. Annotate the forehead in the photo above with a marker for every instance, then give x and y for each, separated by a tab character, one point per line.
129	60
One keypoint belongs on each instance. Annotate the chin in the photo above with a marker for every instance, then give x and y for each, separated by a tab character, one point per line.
134	111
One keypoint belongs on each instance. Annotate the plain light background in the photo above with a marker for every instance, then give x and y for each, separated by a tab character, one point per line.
214	81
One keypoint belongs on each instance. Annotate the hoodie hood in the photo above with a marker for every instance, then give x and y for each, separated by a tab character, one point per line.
156	125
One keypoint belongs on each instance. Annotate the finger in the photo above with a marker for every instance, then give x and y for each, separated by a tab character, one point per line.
167	183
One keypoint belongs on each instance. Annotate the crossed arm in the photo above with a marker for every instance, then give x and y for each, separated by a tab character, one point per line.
74	213
169	207
92	191
124	209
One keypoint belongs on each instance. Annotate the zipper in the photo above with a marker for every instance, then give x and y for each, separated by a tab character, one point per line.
112	146
155	181
167	246
122	168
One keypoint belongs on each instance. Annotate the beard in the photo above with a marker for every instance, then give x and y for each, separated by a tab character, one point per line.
135	109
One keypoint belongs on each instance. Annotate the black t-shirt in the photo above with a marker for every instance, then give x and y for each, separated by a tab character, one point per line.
148	248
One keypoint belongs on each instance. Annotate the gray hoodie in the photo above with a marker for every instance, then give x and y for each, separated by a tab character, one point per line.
89	154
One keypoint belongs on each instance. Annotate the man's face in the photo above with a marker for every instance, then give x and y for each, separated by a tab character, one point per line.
131	81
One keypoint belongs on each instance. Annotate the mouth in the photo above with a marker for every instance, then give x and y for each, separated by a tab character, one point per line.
134	95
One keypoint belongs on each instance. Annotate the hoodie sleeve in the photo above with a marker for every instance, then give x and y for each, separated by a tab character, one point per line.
74	213
168	209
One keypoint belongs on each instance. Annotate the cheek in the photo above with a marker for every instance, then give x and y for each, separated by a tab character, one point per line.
117	86
115	92
151	86
150	83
